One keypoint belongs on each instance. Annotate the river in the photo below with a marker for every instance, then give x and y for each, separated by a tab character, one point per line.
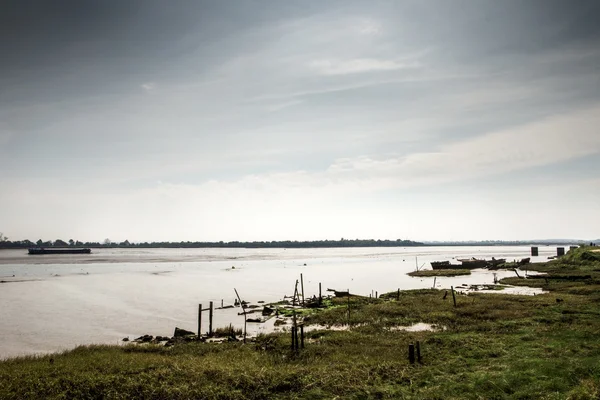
53	303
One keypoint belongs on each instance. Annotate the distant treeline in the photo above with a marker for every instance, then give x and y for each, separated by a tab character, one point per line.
272	244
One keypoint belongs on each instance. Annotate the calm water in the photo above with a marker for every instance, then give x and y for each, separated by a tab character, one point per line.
52	303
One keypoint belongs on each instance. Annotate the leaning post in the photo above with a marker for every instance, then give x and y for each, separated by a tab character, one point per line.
199	320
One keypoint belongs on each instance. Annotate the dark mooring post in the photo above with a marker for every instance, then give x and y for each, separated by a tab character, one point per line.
411	353
293	338
210	318
221	303
453	295
296	338
243	310
376	295
534	251
302	287
348	306
560	251
295	293
434	278
398	295
320	297
301	336
418	352
199	320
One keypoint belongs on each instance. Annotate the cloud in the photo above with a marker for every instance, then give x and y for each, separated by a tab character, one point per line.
369	27
281	106
148	86
358	65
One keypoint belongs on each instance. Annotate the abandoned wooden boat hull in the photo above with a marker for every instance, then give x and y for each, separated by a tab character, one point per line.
473	263
443	265
42	251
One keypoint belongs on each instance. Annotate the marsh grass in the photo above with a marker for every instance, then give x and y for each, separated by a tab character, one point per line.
491	346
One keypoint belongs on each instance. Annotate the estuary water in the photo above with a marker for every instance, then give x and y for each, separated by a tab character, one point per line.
54	303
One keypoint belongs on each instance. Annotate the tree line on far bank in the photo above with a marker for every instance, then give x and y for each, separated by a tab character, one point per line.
25	244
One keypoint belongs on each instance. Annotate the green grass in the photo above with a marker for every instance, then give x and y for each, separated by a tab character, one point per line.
440	272
490	346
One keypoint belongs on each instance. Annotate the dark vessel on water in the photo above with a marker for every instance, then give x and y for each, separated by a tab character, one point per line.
41	251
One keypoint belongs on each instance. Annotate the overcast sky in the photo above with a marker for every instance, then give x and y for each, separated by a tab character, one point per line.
268	120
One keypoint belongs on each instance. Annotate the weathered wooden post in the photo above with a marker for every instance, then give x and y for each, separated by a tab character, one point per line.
302	287
244	310
560	251
376	295
434	278
348	307
295	293
210	318
398	295
419	352
453	296
411	353
296	338
320	297
534	251
199	320
293	338
302	336
221	303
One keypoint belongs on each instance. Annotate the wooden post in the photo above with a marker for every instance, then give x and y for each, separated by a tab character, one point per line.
293	338
348	306
301	336
320	297
453	296
244	310
210	318
418	352
398	295
295	293
560	251
534	251
221	303
411	353
376	295
296	338
302	287
434	278
199	320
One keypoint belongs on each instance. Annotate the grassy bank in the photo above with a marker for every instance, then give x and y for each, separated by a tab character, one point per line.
440	272
490	346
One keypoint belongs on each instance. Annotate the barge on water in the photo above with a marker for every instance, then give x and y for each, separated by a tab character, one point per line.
41	251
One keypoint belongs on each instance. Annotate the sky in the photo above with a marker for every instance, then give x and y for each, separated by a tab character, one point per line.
301	120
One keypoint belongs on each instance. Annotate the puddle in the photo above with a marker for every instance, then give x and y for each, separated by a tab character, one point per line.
499	289
418	327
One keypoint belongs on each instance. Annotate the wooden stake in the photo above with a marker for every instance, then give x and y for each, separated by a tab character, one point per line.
434	278
376	295
210	318
411	353
293	338
301	336
295	293
320	297
453	296
199	320
244	310
348	306
302	286
398	295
